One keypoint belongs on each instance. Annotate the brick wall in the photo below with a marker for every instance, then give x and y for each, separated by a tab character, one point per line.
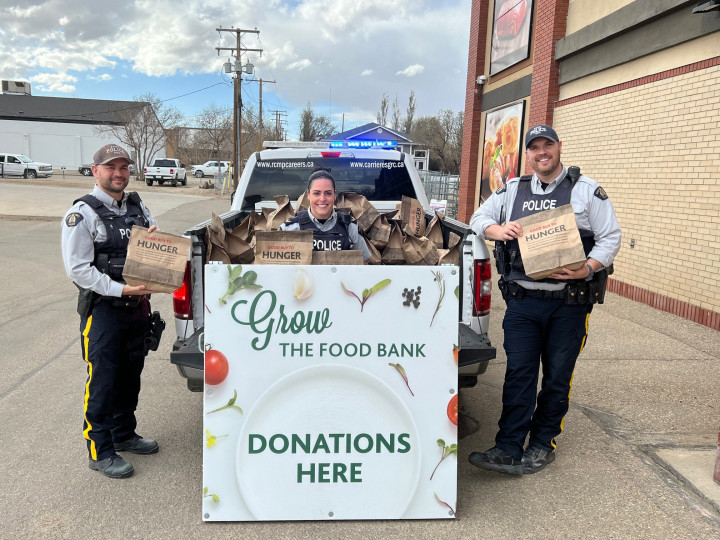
469	174
550	22
654	145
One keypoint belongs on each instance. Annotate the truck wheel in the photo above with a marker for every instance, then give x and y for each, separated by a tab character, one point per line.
199	174
148	181
30	173
86	172
184	181
173	182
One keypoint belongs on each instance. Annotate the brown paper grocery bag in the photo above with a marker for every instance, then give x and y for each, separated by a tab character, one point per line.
419	250
379	232
550	241
363	211
449	256
156	260
332	257
393	252
239	250
413	215
280	215
261	220
283	247
375	256
246	229
216	247
434	230
303	202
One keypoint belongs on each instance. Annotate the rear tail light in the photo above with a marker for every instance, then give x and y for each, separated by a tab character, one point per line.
182	297
482	287
172	171
330	154
144	170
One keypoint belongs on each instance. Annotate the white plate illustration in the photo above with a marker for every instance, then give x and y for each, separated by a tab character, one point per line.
328	442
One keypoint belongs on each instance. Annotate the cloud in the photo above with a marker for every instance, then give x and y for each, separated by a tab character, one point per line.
411	71
303	41
54	82
300	64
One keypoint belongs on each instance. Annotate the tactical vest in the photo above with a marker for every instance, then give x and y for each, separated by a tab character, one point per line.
335	239
110	254
507	254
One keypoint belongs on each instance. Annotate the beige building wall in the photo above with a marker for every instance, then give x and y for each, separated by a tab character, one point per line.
655	148
584	12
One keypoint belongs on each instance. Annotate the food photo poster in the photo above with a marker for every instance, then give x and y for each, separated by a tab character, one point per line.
501	149
511	33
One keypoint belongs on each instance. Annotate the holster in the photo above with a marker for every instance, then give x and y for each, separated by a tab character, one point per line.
86	301
154	333
588	292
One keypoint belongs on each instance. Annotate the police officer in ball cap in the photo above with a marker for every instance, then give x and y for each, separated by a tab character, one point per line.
546	321
115	318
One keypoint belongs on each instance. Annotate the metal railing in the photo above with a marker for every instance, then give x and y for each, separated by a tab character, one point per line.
442	187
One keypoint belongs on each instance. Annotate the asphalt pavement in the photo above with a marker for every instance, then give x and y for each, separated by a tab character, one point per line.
635	460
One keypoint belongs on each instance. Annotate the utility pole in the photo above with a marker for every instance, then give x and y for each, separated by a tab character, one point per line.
260	115
239	69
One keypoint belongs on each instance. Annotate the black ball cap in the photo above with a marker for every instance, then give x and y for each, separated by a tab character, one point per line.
538	131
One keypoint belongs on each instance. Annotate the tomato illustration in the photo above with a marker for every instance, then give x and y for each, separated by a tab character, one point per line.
216	367
452	409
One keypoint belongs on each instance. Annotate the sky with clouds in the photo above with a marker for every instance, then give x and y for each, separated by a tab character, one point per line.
338	55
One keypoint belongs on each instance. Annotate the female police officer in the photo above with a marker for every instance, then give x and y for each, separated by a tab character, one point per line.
332	230
114	317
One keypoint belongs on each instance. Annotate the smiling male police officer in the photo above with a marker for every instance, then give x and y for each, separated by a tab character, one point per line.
546	320
115	318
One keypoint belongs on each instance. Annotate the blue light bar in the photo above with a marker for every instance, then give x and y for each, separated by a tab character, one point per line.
363	144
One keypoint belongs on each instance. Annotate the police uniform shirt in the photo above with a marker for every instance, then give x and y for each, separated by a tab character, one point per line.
592	207
356	241
81	229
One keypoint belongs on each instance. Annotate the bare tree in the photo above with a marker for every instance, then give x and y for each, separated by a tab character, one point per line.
396	119
409	113
144	128
215	131
382	114
314	127
442	135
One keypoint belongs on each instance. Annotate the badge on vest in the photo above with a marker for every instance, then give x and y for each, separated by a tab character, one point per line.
500	191
73	219
600	193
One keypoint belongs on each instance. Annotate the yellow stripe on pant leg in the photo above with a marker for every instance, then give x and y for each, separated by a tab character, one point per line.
86	433
582	346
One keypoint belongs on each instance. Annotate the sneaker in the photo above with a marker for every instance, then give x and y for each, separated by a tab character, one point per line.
497	460
137	445
536	459
112	467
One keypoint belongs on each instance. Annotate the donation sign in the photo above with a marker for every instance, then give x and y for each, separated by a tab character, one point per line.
330	392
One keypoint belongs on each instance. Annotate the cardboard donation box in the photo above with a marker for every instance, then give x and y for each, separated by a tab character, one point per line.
156	260
550	241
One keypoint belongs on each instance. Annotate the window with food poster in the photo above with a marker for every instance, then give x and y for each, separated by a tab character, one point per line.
512	23
501	149
330	392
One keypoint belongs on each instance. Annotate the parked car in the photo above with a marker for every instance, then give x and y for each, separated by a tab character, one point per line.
210	168
86	170
166	170
20	165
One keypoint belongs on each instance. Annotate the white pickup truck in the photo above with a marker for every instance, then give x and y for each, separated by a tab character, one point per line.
383	177
166	170
210	168
20	165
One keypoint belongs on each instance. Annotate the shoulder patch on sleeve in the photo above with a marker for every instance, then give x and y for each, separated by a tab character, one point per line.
600	193
500	190
73	219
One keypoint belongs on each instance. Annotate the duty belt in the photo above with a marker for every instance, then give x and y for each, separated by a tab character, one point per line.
512	289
